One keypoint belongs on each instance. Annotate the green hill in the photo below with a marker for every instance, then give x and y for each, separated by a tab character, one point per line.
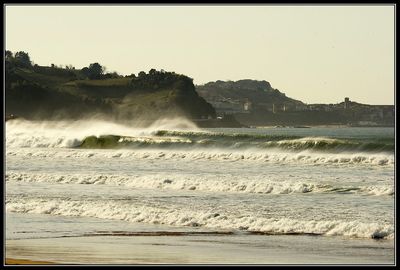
41	92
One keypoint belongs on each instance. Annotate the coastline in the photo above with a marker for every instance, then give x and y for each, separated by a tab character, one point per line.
200	249
12	261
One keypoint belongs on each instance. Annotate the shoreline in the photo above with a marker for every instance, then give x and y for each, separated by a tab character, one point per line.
198	249
13	261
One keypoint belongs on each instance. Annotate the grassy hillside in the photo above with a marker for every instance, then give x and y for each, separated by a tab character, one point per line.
40	92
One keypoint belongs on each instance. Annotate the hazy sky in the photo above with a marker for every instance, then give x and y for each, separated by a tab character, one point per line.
317	54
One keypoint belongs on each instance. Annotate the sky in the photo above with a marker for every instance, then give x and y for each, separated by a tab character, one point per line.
316	54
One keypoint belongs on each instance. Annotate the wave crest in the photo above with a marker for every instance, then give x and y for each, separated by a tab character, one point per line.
179	217
216	184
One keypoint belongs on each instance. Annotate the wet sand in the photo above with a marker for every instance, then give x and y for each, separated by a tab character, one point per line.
84	240
21	261
177	248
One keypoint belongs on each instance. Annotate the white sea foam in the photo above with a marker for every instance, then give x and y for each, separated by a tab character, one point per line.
252	155
150	140
199	183
136	212
43	134
378	190
308	140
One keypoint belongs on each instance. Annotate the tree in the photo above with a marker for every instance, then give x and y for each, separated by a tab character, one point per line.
23	59
85	71
142	74
95	71
9	55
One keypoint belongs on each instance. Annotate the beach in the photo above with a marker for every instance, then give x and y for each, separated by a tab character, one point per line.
136	244
21	261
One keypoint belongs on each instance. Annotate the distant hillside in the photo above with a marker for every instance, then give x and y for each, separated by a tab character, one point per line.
259	93
51	93
256	103
40	92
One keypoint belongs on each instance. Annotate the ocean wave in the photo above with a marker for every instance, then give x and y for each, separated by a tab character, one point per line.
287	141
220	155
220	135
97	134
61	134
317	144
129	211
206	183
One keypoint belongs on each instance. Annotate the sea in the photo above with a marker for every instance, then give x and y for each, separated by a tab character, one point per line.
97	192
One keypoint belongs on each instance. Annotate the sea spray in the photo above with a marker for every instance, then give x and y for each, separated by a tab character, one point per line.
183	134
23	133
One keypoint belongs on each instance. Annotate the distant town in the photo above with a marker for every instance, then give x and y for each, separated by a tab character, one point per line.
369	115
257	103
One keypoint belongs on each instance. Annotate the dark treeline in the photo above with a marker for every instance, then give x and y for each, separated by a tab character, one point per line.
94	71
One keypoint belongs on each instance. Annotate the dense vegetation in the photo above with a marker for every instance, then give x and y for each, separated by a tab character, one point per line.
51	92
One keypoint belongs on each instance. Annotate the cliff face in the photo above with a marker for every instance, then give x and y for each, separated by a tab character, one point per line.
38	92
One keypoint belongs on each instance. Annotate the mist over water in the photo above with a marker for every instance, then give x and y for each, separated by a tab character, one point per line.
23	133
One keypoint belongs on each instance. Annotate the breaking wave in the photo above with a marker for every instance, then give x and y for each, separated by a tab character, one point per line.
136	212
207	183
98	134
230	141
221	155
64	134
